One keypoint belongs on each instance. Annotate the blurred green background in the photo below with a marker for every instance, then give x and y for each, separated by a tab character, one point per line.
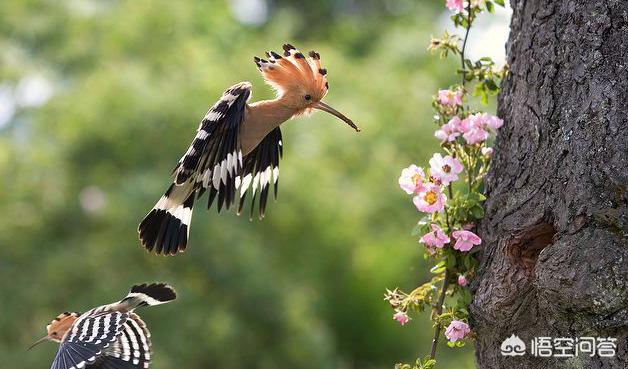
99	99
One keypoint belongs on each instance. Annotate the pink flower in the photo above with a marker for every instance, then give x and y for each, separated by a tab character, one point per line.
450	130
491	121
470	122
401	317
430	199
462	280
450	97
483	120
455	5
457	330
475	127
472	129
475	135
465	240
487	151
411	179
445	169
437	238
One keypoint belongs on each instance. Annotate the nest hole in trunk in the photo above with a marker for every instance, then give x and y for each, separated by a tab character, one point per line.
525	247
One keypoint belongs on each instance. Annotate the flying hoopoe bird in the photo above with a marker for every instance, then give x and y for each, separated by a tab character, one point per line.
109	336
237	147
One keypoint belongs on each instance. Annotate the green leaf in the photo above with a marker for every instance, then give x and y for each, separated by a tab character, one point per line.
490	83
438	268
499	2
450	260
476	197
466	262
490	7
465	299
427	363
477	212
435	270
472	196
422	227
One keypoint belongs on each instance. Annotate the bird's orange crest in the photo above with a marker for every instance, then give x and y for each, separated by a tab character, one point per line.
60	325
294	73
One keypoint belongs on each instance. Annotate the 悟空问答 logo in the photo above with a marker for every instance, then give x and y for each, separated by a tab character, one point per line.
513	346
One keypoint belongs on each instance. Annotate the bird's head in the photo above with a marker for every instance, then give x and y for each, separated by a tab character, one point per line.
299	80
58	328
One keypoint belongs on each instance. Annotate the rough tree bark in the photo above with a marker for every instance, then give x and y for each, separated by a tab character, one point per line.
555	257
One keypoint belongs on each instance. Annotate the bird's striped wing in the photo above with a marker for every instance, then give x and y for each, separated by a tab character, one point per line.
131	350
212	162
91	334
217	134
221	160
109	362
75	356
260	170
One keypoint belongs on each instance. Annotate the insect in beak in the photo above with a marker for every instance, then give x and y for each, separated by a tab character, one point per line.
43	339
324	107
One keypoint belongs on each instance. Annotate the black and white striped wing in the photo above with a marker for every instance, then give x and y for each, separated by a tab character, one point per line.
214	159
260	171
75	356
91	334
110	362
132	348
212	162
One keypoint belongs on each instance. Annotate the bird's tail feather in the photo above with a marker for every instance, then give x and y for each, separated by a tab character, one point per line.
148	294
166	227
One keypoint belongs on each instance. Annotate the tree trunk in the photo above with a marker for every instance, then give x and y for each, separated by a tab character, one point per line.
555	257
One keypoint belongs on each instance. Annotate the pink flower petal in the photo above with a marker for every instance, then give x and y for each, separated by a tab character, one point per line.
445	169
455	5
411	179
465	240
430	199
401	317
457	330
436	238
462	280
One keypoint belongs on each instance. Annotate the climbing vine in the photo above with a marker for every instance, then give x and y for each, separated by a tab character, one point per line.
449	193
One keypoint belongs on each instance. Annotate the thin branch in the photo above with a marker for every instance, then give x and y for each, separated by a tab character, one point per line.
441	298
439	311
451	196
464	42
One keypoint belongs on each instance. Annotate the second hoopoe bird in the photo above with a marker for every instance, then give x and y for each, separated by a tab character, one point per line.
237	147
109	336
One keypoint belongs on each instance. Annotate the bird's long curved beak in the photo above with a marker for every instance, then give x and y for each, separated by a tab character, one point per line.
324	107
43	339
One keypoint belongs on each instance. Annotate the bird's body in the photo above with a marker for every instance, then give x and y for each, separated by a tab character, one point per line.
237	148
260	118
110	336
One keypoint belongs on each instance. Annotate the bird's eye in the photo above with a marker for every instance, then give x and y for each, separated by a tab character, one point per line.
307	97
